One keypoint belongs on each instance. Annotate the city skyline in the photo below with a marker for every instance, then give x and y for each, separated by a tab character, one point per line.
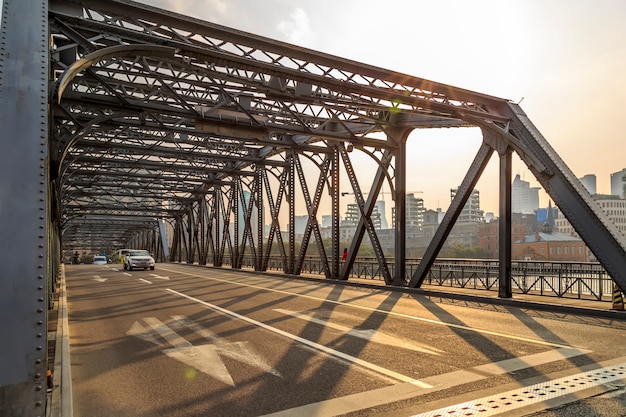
563	61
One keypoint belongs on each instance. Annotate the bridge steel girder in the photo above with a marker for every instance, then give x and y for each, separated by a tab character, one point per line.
592	224
193	124
458	202
26	229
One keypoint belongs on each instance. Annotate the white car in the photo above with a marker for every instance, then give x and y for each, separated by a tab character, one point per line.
138	259
99	260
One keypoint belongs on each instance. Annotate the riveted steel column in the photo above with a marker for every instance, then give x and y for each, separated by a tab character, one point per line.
505	289
335	211
24	209
236	207
163	235
258	262
291	200
400	223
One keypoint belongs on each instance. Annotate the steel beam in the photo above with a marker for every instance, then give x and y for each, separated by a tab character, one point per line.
505	288
465	190
25	218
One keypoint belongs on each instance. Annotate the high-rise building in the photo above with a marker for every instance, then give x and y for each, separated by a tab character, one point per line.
471	212
243	206
524	198
353	215
618	183
589	182
613	206
300	223
380	206
414	211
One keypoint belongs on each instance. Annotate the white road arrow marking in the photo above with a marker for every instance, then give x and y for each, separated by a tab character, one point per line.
143	333
204	358
97	278
166	333
160	277
238	351
368	334
337	354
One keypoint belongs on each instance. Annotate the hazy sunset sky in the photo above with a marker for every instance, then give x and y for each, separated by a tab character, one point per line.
564	59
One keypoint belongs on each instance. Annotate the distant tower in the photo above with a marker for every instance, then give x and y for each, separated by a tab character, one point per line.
353	215
380	206
589	182
414	211
618	183
300	223
524	198
471	213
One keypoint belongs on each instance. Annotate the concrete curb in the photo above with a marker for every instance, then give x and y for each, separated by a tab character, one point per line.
62	401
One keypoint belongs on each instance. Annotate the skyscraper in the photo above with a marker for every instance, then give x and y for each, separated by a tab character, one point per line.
589	182
618	183
524	198
414	211
471	212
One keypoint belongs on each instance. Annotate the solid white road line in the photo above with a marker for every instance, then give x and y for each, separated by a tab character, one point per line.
389	313
321	348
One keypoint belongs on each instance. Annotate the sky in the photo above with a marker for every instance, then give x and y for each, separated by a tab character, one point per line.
563	60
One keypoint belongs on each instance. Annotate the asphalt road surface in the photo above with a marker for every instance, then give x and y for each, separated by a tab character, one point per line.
192	341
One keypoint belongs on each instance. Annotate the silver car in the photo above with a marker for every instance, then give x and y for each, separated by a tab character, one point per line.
99	260
138	259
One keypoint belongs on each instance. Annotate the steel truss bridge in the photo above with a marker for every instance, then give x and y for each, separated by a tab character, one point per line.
118	118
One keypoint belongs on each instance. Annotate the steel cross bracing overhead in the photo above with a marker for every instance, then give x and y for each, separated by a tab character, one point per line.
162	115
138	118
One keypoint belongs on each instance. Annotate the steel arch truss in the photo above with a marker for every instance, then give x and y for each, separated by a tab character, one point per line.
218	131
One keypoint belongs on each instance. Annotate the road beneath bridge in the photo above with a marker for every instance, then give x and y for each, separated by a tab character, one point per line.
194	341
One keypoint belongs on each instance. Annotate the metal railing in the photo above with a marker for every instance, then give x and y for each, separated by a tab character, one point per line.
581	280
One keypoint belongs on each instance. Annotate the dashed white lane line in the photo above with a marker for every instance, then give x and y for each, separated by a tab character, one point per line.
371	335
389	313
348	358
408	390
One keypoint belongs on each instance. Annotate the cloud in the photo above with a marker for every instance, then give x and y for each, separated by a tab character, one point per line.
296	29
